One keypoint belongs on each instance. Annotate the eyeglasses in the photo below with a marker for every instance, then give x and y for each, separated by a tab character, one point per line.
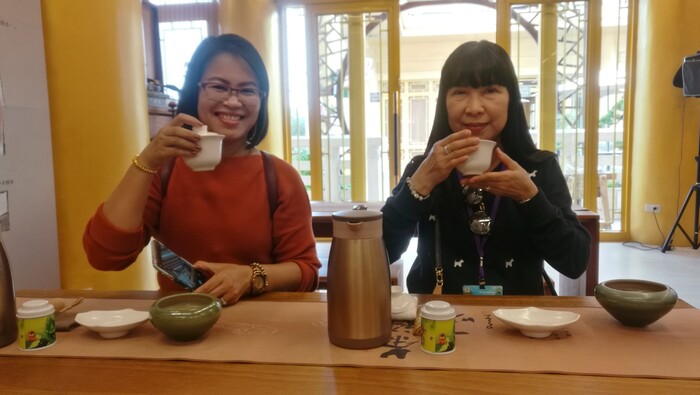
222	92
479	221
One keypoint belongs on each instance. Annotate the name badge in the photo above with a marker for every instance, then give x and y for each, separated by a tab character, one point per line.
487	290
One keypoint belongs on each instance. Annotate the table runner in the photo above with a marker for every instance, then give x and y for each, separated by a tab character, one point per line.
296	333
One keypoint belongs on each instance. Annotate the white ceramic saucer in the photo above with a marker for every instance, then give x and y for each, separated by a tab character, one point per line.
112	323
534	322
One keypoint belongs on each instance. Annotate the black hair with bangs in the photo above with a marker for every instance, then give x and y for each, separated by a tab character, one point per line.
483	63
233	45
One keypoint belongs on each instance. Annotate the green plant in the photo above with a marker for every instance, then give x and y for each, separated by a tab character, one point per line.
614	115
301	154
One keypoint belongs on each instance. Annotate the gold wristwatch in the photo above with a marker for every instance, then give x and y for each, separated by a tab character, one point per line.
258	283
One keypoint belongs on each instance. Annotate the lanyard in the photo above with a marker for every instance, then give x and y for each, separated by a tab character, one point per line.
480	241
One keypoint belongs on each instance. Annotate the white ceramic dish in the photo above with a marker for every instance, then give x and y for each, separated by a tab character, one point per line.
534	322
401	302
112	323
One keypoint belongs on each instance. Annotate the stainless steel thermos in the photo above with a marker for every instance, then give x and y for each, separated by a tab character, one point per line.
359	282
8	322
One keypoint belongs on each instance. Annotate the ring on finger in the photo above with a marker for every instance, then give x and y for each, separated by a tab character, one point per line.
223	301
447	149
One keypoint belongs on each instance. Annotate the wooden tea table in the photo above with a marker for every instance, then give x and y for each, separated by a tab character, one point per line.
32	372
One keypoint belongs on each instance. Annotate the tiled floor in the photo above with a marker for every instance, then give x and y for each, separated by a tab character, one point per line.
679	268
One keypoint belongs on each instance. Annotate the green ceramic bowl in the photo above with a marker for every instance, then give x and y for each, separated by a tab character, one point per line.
635	302
185	317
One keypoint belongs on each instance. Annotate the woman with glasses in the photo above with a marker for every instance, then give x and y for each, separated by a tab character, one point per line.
246	224
490	233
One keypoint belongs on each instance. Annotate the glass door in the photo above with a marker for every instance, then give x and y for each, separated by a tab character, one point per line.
430	31
570	56
555	47
343	135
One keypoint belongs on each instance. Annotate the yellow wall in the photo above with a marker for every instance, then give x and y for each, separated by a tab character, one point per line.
97	97
665	140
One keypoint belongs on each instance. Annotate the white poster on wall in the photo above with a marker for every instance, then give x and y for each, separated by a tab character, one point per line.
27	197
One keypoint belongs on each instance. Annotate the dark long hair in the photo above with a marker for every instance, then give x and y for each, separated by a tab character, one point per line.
237	46
483	63
477	64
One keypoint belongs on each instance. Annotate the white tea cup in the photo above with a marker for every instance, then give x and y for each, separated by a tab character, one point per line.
209	157
480	160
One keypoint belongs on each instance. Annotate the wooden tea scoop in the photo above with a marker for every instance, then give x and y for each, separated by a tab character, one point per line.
60	304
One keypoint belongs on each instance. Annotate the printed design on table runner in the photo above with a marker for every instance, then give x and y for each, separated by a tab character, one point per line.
242	328
402	336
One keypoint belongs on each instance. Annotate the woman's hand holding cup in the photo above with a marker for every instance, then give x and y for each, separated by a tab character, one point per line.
513	181
172	140
445	155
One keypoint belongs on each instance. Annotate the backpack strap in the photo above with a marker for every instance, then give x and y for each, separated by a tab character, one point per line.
438	260
268	169
165	172
270	181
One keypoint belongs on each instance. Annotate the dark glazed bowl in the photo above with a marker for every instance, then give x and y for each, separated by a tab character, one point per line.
185	317
635	302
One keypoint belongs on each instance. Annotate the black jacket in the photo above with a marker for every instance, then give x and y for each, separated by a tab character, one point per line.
522	236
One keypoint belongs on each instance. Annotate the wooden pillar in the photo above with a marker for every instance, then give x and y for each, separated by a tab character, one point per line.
547	97
99	120
356	69
257	21
665	124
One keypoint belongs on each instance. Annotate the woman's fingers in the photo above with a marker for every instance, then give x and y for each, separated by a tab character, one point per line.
228	282
459	144
507	161
185	119
172	140
513	181
443	157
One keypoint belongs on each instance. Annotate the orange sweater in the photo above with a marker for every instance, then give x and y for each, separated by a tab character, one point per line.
216	216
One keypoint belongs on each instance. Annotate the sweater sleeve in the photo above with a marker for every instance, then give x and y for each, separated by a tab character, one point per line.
110	248
554	227
401	213
292	233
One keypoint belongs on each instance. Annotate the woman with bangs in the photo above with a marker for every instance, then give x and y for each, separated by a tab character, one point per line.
488	234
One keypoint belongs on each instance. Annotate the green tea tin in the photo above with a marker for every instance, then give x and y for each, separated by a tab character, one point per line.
438	327
36	324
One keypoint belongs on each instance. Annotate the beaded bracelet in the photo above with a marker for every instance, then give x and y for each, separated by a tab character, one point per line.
526	200
414	192
141	167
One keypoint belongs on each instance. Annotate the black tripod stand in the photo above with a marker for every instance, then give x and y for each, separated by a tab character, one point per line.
695	189
688	78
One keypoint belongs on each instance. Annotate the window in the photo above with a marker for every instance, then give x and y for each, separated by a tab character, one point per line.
182	25
178	40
